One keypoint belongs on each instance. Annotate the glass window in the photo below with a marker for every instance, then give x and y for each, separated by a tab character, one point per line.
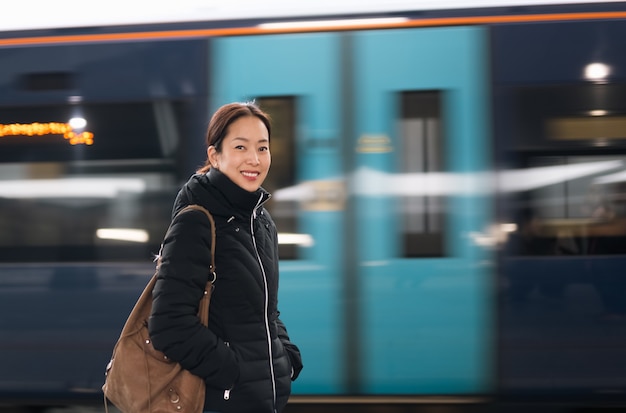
120	131
422	142
578	207
282	174
109	200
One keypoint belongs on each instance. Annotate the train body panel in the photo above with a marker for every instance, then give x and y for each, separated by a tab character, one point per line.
560	314
59	323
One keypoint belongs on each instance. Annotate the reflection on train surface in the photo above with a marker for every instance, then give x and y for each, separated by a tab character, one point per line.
449	192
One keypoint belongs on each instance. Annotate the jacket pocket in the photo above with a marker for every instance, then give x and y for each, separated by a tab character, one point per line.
228	391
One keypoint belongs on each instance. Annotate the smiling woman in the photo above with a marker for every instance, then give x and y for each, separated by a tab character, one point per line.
246	338
433	172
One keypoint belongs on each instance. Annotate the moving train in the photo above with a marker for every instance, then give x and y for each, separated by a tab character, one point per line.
448	184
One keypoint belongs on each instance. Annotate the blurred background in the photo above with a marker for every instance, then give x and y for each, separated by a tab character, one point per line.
448	183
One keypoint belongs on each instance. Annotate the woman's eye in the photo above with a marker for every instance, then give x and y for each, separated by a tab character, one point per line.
239	147
264	148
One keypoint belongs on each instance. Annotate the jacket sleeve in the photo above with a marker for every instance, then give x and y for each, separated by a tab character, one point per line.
292	350
174	325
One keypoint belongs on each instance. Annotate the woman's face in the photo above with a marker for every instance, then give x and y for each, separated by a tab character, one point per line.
245	157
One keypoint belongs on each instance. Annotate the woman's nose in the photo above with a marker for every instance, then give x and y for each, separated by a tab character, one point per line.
253	158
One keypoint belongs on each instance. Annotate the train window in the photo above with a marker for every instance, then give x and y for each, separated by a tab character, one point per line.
282	174
109	200
570	116
422	140
120	131
581	210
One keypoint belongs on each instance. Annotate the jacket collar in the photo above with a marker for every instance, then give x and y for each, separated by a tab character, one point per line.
238	197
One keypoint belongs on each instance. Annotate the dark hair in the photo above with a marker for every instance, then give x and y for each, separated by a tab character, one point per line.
223	118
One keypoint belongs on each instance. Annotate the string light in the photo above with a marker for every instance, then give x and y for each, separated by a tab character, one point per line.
43	129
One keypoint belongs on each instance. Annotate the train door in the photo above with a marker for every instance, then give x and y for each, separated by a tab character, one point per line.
384	287
293	77
421	143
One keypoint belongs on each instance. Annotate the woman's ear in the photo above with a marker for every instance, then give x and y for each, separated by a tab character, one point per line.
211	154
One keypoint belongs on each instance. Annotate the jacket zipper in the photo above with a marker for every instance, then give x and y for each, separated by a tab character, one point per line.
227	391
265	317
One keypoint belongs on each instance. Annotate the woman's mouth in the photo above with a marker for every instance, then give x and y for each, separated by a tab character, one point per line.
250	175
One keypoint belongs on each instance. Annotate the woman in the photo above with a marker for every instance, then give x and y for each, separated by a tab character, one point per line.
245	356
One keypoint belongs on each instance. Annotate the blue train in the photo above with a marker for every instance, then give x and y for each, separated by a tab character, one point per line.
448	187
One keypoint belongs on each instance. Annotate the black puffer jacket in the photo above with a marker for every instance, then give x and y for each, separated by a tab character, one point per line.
245	356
